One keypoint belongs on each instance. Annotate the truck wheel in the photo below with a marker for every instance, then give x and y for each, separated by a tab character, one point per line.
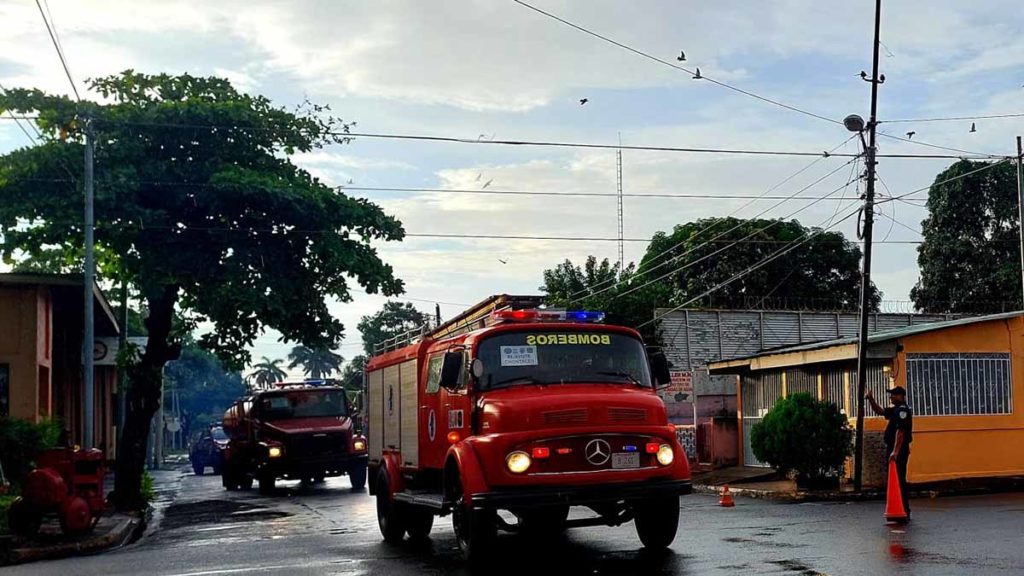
419	521
245	482
267	483
476	531
390	516
75	517
357	475
656	521
198	468
22	519
544	522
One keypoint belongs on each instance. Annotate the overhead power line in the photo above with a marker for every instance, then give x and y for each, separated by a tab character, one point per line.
676	66
951	118
989	166
56	45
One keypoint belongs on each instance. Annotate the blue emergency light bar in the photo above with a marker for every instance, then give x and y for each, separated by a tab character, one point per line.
548	315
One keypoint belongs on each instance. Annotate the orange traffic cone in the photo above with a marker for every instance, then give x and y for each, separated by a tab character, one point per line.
894	511
726	499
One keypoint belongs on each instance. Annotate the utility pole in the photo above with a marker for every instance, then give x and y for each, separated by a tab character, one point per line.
865	280
1020	211
88	340
122	374
618	181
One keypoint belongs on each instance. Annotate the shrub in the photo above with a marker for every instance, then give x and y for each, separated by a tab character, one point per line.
148	490
804	435
20	442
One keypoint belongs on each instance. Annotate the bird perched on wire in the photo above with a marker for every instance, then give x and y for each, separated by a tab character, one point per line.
682	56
911	134
584	101
697	76
486	184
973	127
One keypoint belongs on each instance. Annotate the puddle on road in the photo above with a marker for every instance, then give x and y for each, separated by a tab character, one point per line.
179	515
798	567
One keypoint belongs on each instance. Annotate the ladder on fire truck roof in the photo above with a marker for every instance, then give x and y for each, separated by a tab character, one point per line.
474	318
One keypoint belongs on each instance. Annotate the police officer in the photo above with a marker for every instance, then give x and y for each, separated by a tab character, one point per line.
899	433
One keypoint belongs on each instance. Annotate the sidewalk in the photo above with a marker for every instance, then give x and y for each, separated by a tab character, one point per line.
114	529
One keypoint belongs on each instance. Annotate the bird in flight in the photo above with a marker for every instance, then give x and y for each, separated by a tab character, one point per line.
486	184
697	76
911	134
584	101
479	175
682	56
502	261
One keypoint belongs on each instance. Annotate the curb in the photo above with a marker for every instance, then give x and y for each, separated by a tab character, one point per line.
793	497
125	532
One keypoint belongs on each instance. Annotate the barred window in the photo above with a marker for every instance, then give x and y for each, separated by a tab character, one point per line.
959	384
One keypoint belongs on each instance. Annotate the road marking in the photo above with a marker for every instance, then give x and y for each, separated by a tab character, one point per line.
235	570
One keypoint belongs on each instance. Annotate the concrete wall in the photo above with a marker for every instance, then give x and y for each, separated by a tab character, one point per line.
20	347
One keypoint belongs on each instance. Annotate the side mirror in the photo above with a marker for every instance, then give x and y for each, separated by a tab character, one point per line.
451	370
660	369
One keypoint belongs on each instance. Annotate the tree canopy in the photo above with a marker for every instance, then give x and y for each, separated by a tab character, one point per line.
267	372
821	274
200	209
393	319
970	257
205	388
316	363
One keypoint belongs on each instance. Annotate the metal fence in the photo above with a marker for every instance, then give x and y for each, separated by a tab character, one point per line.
959	384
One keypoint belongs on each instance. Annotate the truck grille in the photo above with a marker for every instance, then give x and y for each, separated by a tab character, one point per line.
627	414
317	445
573	416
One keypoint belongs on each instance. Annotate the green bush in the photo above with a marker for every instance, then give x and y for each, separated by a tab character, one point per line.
20	442
148	490
804	435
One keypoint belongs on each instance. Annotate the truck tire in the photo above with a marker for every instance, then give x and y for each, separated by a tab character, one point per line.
390	517
267	483
22	519
75	516
198	468
656	521
419	521
544	522
475	530
245	482
357	475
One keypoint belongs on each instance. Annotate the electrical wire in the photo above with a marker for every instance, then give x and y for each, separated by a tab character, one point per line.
938	147
60	53
675	66
946	181
951	118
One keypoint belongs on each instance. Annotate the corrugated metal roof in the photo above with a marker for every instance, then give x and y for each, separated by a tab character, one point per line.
886	335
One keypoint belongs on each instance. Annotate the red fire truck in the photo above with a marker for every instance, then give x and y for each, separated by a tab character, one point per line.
524	410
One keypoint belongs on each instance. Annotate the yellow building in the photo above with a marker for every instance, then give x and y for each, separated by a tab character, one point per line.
964	381
41	317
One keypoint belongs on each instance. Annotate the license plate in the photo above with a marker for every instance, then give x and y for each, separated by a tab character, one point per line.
626	460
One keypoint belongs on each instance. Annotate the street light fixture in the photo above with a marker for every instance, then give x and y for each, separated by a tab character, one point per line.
854	123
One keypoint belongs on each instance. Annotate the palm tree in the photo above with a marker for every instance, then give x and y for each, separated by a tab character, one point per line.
316	363
267	372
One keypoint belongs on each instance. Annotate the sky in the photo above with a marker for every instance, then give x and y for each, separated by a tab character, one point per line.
496	70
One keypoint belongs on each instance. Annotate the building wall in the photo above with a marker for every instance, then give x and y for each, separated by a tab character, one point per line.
19	344
947	447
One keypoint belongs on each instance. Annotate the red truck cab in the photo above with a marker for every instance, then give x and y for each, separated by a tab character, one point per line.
528	411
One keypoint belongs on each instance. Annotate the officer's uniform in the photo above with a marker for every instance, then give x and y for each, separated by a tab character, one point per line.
900	418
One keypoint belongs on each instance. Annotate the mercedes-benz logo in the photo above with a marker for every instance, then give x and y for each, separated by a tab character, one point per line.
597	452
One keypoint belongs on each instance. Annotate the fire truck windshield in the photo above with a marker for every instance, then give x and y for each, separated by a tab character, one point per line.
562	357
302	404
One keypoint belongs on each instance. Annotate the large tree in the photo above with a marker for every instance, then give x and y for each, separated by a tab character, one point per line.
316	362
970	257
598	285
394	319
200	209
822	273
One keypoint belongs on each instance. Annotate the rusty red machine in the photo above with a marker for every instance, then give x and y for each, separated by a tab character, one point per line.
67	482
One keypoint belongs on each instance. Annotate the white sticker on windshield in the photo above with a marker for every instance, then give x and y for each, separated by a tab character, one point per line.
518	355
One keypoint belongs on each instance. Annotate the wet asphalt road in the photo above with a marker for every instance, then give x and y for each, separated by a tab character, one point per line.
328	529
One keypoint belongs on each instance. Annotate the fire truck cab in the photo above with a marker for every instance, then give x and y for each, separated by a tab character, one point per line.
528	411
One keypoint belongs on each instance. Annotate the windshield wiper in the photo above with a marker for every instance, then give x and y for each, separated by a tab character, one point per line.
622	374
517	380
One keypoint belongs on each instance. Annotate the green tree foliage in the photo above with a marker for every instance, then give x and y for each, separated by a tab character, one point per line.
801	434
394	319
352	380
205	387
599	286
20	442
267	372
316	363
822	274
200	209
970	257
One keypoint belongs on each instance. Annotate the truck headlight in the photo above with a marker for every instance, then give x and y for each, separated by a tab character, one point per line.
517	462
665	455
358	445
274	452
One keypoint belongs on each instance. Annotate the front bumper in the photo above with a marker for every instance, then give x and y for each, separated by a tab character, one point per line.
330	466
579	495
